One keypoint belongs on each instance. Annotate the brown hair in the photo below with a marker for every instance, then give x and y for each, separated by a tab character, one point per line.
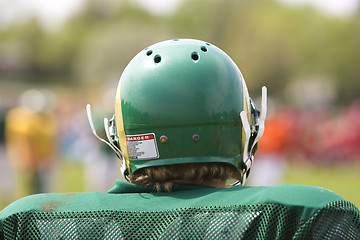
165	176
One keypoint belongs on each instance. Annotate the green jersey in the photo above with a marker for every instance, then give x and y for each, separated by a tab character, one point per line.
130	211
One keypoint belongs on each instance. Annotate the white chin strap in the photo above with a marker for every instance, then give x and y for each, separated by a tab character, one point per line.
248	155
110	131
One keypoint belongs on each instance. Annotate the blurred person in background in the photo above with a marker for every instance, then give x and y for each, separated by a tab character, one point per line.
98	163
339	137
31	134
271	159
6	183
352	118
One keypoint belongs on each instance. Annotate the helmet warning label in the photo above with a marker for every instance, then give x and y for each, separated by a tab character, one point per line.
142	147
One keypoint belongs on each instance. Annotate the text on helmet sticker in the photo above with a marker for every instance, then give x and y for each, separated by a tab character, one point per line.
142	146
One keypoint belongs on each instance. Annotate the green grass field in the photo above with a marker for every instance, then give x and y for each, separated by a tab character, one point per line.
342	180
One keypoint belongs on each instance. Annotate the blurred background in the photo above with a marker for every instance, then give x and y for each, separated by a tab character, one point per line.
57	56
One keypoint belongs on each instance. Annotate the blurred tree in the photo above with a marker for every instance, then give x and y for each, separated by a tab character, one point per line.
273	44
345	62
18	47
113	41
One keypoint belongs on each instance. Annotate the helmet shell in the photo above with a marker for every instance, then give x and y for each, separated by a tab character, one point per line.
187	96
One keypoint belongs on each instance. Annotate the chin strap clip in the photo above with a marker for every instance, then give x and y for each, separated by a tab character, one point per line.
255	133
113	140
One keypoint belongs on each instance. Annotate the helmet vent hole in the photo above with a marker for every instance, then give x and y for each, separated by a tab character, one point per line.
203	48
148	53
195	56
157	59
196	138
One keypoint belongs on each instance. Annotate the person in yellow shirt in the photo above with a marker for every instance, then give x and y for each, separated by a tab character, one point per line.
31	143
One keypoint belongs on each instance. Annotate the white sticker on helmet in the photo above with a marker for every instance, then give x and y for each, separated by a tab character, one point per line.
142	146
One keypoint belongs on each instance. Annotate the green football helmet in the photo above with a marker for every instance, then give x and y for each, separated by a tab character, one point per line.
184	101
